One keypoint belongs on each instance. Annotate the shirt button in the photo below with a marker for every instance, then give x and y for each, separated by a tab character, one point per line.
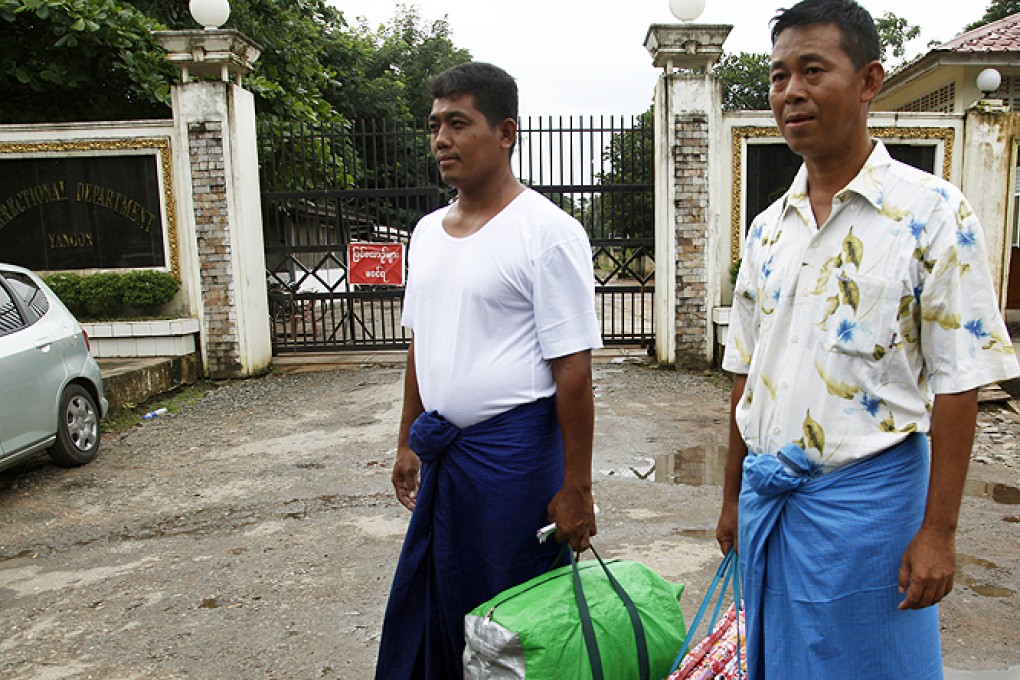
777	430
795	339
786	383
814	244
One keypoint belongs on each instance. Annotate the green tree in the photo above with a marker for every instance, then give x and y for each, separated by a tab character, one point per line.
97	59
745	76
291	80
80	60
997	9
745	81
893	33
630	158
383	74
414	51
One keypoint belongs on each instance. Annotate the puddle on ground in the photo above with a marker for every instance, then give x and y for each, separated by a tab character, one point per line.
694	466
980	587
988	590
963	559
698	465
1000	493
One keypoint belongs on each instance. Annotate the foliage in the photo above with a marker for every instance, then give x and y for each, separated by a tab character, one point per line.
67	286
103	293
745	81
385	80
290	79
997	9
382	142
414	53
734	270
149	289
745	76
80	60
97	60
893	33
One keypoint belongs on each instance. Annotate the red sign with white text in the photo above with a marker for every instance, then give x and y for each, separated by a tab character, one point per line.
375	264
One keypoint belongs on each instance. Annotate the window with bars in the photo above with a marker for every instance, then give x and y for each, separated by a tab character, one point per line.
941	100
25	287
1009	92
10	319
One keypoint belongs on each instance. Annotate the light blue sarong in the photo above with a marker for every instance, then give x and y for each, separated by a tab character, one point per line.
820	555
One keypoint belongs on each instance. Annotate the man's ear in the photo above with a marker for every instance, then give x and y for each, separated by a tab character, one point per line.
507	133
872	78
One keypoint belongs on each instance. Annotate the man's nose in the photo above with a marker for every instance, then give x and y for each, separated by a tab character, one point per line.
441	137
795	90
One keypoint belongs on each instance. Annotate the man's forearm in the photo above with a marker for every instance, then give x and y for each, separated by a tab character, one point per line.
412	406
575	410
737	447
953	419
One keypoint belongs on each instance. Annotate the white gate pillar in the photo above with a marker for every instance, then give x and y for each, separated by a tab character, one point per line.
223	266
688	126
989	177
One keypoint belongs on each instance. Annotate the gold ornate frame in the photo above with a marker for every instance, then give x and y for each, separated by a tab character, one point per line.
946	135
159	144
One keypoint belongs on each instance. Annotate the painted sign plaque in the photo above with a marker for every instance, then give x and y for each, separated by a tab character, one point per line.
375	264
81	212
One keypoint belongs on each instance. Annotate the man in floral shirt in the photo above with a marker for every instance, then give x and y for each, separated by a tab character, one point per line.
864	318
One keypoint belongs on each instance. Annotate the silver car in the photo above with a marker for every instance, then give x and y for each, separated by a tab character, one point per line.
51	392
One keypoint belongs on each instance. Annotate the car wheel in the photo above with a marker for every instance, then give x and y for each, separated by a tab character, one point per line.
78	429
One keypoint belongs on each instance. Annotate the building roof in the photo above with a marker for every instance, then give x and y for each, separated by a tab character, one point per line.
995	44
999	36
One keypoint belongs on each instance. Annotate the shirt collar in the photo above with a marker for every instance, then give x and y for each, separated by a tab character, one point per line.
867	184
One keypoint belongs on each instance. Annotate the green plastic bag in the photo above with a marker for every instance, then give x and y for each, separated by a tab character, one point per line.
534	630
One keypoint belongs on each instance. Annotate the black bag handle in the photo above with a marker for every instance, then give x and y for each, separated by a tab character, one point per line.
588	628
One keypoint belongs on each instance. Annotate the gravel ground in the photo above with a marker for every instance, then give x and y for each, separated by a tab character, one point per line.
253	534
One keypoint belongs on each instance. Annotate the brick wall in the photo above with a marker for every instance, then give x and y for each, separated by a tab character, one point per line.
690	175
209	185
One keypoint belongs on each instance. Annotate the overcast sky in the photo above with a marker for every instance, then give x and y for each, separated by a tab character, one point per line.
588	56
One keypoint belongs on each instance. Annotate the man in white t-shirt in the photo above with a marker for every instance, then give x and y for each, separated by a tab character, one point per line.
498	417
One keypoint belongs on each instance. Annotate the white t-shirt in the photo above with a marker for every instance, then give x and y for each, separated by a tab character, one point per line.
489	310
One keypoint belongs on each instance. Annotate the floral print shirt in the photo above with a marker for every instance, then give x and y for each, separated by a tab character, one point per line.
847	331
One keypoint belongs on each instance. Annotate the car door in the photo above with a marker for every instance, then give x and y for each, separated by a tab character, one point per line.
33	374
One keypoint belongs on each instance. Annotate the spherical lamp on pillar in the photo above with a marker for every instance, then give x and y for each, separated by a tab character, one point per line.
211	14
988	81
687	10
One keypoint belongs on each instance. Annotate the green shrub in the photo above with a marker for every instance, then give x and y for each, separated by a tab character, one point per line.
68	287
147	290
103	293
734	270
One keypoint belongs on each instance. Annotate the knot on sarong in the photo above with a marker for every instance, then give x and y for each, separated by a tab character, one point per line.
430	435
770	476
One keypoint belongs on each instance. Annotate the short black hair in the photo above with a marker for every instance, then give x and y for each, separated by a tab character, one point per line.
494	90
860	36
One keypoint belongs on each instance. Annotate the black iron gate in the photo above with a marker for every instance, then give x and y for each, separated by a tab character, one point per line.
327	186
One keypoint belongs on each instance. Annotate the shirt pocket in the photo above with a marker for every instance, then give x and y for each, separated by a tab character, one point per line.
859	315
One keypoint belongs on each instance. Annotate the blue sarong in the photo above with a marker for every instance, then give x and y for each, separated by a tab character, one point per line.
820	555
483	494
